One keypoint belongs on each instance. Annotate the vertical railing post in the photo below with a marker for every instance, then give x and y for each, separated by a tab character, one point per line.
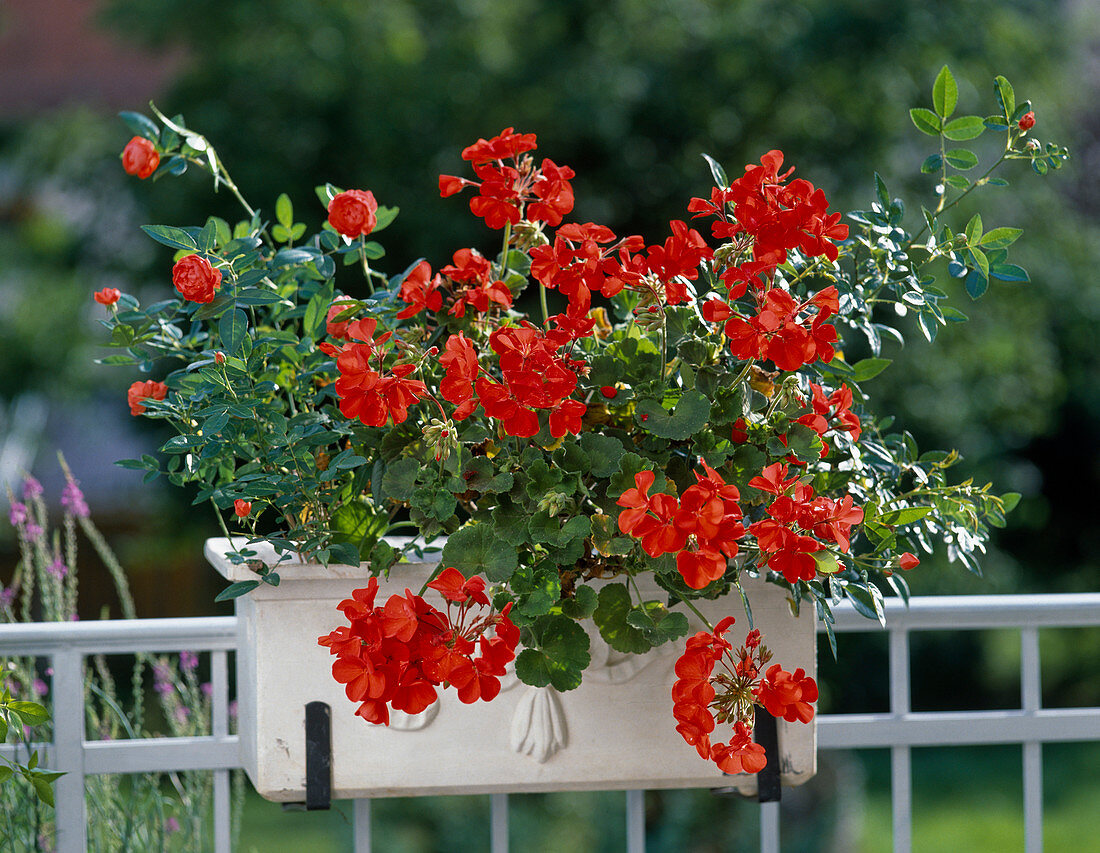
68	733
900	757
635	822
498	823
361	822
219	727
769	827
1031	699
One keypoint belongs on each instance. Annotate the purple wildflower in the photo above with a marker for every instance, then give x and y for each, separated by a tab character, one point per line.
188	661
207	689
232	710
72	499
57	569
32	531
7	596
171	825
17	514
162	679
40	687
31	488
183	714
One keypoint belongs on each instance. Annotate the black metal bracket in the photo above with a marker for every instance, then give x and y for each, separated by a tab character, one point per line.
768	790
318	756
765	732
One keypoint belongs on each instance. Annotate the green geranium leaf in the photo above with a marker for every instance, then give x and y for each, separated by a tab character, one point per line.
604	453
563	647
629	465
533	667
688	417
382	556
606	537
400	479
542	479
510	521
582	605
537	589
480	475
475	549
611	618
435	502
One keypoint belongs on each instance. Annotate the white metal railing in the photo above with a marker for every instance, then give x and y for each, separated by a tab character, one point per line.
901	729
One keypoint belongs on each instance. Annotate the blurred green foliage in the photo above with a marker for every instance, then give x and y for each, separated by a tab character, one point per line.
383	94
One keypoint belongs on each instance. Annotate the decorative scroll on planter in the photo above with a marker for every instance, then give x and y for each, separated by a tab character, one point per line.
615	731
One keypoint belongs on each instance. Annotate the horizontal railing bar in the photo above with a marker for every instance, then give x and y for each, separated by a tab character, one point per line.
162	755
973	612
199	633
206	633
956	728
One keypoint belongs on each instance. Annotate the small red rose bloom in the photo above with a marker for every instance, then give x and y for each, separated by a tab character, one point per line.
242	507
195	278
147	390
1027	121
352	213
908	561
107	296
140	157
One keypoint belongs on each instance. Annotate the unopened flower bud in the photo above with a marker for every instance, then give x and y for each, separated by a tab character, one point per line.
1033	145
219	357
441	437
433	351
527	234
1027	121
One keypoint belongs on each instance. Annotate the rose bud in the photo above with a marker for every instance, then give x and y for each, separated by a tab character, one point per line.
1027	121
140	157
242	507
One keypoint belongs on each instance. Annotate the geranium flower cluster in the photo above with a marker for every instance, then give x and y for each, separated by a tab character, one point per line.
702	528
374	396
397	654
763	218
800	524
511	186
703	698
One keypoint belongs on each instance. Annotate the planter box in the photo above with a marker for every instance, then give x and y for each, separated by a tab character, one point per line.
615	731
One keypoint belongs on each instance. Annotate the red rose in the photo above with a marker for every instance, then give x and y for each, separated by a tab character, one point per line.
147	390
338	328
352	213
140	158
107	296
1027	121
242	508
195	278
